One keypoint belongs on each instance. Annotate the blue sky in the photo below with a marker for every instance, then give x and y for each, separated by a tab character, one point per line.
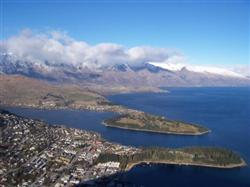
206	32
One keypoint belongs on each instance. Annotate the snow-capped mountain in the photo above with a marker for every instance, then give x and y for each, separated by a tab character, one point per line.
198	69
145	74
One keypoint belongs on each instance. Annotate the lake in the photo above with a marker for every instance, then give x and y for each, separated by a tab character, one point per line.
226	111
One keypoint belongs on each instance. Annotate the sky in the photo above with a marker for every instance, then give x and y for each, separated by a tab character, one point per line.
204	32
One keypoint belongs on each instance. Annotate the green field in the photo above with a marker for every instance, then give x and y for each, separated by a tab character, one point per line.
148	122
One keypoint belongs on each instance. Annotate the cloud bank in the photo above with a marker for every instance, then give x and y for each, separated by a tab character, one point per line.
59	48
56	47
241	69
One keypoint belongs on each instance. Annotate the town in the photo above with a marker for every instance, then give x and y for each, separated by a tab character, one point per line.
34	153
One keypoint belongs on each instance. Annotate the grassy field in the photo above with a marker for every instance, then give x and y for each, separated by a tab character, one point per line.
18	90
148	122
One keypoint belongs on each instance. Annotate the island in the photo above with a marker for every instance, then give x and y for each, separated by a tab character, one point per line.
34	153
141	121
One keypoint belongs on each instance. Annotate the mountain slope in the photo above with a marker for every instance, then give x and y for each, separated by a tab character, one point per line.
23	91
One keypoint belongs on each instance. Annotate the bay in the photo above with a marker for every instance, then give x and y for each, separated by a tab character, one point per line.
226	111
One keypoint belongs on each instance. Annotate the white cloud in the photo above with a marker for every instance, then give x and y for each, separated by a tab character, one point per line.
241	69
58	47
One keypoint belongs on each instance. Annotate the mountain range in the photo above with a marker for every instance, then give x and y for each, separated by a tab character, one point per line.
149	74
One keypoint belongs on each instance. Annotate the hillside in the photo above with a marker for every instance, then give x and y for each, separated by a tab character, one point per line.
23	91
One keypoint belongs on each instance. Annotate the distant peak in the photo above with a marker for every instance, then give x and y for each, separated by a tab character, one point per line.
198	69
121	67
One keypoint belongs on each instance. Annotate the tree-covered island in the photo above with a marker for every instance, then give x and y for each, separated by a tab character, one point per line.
197	156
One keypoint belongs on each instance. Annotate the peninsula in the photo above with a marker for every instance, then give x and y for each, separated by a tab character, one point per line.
195	156
19	91
141	121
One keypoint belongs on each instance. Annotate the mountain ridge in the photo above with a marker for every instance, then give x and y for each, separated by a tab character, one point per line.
146	74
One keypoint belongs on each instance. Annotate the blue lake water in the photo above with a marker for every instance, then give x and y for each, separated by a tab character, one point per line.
226	111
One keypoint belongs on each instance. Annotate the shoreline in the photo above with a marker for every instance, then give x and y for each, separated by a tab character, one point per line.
54	108
230	166
131	165
159	132
105	124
